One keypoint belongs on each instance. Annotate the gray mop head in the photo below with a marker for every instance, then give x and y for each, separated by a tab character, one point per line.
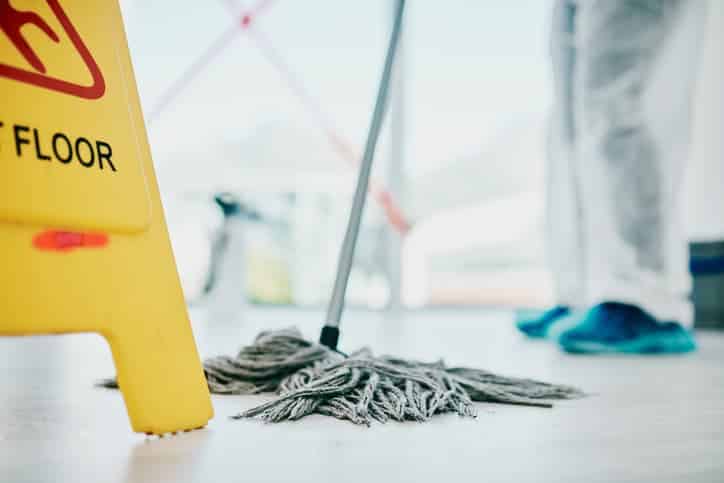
309	379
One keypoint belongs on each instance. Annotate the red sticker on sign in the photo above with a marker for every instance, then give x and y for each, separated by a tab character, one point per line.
64	241
13	21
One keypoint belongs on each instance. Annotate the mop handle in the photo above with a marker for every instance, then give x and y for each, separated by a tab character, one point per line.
330	331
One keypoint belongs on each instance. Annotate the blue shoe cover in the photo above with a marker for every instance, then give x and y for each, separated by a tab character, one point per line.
537	327
613	327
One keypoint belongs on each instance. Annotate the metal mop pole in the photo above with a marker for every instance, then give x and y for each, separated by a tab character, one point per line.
330	332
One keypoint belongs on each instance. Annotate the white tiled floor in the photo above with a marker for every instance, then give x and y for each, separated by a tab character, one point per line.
649	419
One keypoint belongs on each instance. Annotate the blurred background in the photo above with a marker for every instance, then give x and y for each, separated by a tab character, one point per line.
257	112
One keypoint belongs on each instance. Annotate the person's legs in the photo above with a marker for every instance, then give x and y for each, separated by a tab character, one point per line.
562	231
633	87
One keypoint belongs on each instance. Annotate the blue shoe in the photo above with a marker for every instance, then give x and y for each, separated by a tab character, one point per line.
614	327
537	327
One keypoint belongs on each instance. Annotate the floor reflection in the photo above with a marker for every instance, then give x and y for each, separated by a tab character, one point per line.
171	458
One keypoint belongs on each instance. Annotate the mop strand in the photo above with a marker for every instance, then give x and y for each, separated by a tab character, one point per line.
309	379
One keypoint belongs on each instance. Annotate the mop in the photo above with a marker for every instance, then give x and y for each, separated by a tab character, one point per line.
315	378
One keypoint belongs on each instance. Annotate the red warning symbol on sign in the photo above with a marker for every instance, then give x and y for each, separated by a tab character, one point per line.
12	22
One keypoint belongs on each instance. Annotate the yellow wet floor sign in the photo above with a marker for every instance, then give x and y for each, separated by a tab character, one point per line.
83	241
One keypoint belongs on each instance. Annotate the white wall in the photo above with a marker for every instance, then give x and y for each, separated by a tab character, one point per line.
705	177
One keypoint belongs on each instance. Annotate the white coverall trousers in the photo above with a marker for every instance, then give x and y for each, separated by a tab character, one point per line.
624	74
